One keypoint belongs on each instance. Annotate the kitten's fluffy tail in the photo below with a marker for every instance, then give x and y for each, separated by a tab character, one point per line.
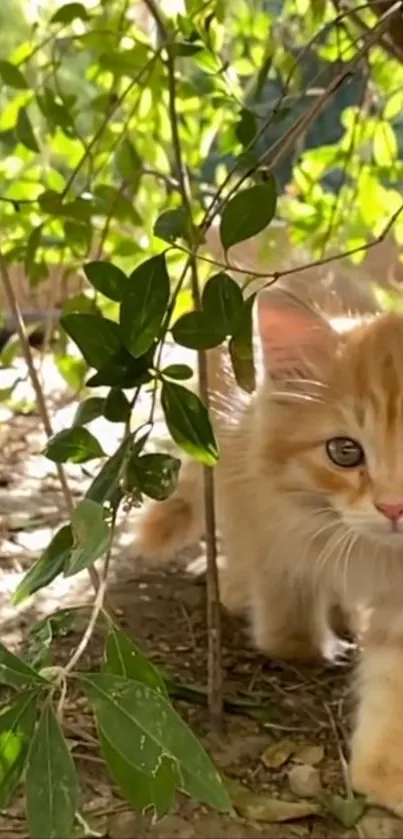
165	527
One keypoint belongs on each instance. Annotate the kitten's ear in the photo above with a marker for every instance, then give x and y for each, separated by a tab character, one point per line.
295	339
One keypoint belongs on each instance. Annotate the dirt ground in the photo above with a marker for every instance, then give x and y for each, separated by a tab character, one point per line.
283	725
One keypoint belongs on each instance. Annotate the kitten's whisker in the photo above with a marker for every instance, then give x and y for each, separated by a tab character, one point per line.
336	542
346	563
297	397
313	382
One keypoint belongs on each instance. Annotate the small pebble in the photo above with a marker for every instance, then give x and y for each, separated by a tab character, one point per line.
304	781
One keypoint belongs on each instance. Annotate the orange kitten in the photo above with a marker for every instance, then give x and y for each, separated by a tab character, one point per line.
309	493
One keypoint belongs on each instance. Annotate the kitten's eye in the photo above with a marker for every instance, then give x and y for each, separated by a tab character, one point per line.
345	452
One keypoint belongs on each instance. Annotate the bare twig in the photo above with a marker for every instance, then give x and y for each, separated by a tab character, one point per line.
97	608
393	49
325	260
215	678
96	611
113	107
40	399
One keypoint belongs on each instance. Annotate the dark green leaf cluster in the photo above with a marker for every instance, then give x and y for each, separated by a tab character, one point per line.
149	752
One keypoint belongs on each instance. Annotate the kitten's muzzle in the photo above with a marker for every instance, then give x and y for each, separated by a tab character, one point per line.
392	511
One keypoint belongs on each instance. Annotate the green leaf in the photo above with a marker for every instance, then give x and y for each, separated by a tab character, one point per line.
128	161
248	213
155	475
51	202
185	48
347	811
107	278
97	338
188	423
6	393
144	305
43	633
122	658
246	129
79	209
54	111
196	332
32	247
385	146
141	790
124	371
91	536
51	782
117	406
14	671
318	9
106	483
126	62
73	445
222	303
38	645
112	203
69	12
241	349
262	75
24	131
72	369
47	568
89	410
10	351
17	721
171	225
143	727
177	371
12	76
78	235
79	303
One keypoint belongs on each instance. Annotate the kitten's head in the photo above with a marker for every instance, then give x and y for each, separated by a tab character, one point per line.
336	408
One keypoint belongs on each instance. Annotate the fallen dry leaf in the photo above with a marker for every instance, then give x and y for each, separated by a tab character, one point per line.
309	755
261	808
277	754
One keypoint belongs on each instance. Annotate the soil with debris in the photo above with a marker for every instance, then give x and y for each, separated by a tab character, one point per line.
284	742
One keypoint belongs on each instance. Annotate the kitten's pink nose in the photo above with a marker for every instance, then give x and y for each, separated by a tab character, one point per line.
391	511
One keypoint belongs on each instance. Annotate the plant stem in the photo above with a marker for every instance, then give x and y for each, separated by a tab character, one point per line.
273	276
40	399
214	655
214	660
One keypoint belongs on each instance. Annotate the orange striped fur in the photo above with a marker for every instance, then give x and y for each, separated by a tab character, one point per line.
303	536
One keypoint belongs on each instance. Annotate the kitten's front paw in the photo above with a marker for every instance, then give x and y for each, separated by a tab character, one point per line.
337	651
379	774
